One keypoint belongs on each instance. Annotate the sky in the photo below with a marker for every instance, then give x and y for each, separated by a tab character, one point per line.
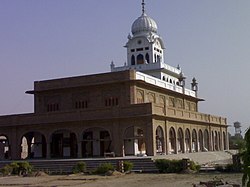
47	39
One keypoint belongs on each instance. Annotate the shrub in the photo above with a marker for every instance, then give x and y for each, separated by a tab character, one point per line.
104	168
24	168
80	167
169	166
193	166
6	170
128	166
17	168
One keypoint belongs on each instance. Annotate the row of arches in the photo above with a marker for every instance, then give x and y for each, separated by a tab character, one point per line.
189	141
97	141
93	142
144	59
171	81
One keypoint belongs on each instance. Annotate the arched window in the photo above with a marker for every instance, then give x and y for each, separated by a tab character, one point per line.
158	58
159	140
147	58
132	60
172	141
140	59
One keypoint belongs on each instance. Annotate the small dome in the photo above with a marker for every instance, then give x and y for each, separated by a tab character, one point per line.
144	24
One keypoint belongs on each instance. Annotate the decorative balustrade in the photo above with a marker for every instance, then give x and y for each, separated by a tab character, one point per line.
163	84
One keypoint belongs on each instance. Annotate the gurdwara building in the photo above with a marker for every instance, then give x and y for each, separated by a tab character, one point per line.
141	108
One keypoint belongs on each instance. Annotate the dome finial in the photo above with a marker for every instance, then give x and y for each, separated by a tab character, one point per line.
143	6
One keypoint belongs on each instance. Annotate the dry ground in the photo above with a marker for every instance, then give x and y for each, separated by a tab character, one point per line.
130	180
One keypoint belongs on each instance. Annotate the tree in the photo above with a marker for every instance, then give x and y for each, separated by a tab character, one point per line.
246	161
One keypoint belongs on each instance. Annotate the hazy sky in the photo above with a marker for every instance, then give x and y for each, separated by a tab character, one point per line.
46	39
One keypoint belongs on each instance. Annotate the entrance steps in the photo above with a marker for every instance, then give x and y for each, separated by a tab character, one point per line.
61	166
141	164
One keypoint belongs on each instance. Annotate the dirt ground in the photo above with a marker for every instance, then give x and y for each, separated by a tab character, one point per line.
130	180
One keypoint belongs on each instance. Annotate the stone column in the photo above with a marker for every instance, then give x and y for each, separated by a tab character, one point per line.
150	145
48	156
117	140
184	142
176	141
15	145
210	148
222	144
167	137
79	149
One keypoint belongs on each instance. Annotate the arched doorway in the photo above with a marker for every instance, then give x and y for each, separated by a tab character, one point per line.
4	147
133	60
140	59
194	141
216	147
187	141
33	145
206	140
63	144
180	141
134	141
95	142
200	143
160	147
172	141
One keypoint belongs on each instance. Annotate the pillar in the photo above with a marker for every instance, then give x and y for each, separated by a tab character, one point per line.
167	137
79	149
150	145
184	142
48	156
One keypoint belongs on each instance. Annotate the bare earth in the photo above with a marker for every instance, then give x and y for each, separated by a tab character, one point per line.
131	180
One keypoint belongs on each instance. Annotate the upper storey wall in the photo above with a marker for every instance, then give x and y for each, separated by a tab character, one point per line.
101	90
84	92
87	80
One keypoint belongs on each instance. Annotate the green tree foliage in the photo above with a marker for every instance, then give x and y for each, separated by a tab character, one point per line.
174	166
169	166
128	166
104	168
17	168
246	161
80	167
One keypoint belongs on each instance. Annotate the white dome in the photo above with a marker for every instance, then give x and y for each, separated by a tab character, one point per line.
144	24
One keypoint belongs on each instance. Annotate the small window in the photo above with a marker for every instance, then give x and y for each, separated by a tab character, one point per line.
132	60
112	101
147	58
132	50
81	104
139	49
52	107
146	48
